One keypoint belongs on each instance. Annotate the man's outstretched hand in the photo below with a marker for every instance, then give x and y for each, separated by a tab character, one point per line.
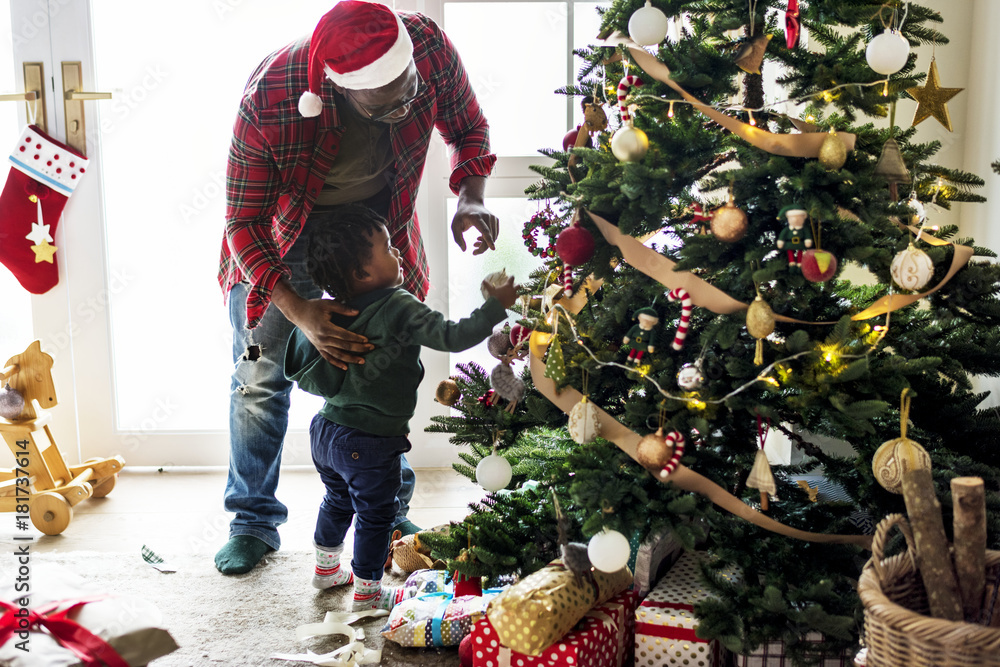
473	214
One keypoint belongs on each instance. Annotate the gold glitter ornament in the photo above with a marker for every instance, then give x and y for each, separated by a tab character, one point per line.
447	392
900	455
653	452
932	99
729	222
760	324
833	152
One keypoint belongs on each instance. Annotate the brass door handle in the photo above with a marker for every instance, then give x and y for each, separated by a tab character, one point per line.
74	95
29	96
76	129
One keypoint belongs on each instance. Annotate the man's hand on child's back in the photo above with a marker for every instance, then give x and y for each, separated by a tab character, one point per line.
506	293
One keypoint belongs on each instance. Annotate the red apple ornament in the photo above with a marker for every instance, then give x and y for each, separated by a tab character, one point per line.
818	266
519	333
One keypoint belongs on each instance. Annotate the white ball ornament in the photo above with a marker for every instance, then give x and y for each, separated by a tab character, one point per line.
912	268
493	472
584	424
647	26
608	551
887	53
629	144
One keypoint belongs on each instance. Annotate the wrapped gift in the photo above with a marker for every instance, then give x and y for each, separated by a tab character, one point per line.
772	654
542	607
435	619
68	623
653	558
665	629
602	638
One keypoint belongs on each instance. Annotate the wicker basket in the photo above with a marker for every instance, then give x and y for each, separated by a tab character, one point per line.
898	630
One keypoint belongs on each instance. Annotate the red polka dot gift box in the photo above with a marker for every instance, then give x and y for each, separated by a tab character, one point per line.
665	624
602	638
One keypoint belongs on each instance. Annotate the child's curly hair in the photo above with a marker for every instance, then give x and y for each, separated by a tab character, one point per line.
339	246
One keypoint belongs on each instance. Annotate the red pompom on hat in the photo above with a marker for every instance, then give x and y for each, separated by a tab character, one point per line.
359	46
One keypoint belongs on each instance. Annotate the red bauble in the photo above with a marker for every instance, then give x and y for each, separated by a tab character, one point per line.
792	24
818	266
570	139
465	651
575	245
519	333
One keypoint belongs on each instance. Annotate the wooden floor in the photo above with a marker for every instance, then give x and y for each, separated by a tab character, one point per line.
180	512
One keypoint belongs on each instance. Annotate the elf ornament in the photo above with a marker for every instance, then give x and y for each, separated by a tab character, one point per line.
629	143
45	174
898	456
641	337
795	237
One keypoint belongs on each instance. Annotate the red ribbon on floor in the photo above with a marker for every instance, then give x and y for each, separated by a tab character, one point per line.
91	650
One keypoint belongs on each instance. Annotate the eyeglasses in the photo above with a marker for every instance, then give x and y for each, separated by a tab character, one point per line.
395	113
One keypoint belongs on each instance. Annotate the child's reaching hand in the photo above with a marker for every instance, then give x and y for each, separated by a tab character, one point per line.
506	293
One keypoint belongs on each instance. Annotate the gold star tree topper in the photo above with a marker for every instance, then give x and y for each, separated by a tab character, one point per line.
932	99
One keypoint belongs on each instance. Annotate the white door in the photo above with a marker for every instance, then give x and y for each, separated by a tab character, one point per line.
136	324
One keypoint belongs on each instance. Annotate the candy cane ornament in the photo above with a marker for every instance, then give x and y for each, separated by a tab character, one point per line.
627	82
676	440
568	280
681	294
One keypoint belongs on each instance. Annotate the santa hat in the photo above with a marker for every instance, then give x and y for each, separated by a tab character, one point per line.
358	45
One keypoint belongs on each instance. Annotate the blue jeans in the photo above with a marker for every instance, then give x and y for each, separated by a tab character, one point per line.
258	413
361	472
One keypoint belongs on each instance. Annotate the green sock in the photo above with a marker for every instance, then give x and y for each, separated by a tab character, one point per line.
241	554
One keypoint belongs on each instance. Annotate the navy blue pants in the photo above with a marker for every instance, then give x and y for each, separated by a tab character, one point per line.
361	472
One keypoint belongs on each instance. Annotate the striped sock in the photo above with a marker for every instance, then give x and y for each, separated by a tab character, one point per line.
369	594
329	573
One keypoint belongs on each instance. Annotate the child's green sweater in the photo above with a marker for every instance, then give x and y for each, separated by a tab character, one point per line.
380	396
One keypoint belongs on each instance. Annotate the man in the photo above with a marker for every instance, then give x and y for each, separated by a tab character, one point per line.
376	84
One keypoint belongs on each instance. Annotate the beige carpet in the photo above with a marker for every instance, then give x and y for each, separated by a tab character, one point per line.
237	621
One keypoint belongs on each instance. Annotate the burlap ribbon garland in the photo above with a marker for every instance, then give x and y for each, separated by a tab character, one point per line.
687	479
793	145
706	295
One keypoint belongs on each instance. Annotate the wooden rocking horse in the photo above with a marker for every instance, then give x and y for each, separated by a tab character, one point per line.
55	487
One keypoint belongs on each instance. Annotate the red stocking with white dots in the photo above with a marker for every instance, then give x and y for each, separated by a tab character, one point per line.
44	174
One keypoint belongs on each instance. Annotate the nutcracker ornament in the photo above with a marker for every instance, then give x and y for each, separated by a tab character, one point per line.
641	337
795	237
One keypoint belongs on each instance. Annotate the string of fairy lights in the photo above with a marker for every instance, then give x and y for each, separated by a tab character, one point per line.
828	352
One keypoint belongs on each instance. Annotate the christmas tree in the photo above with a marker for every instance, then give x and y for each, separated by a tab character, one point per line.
796	285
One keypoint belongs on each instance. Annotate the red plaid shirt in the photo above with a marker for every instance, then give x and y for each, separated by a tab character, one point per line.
279	160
